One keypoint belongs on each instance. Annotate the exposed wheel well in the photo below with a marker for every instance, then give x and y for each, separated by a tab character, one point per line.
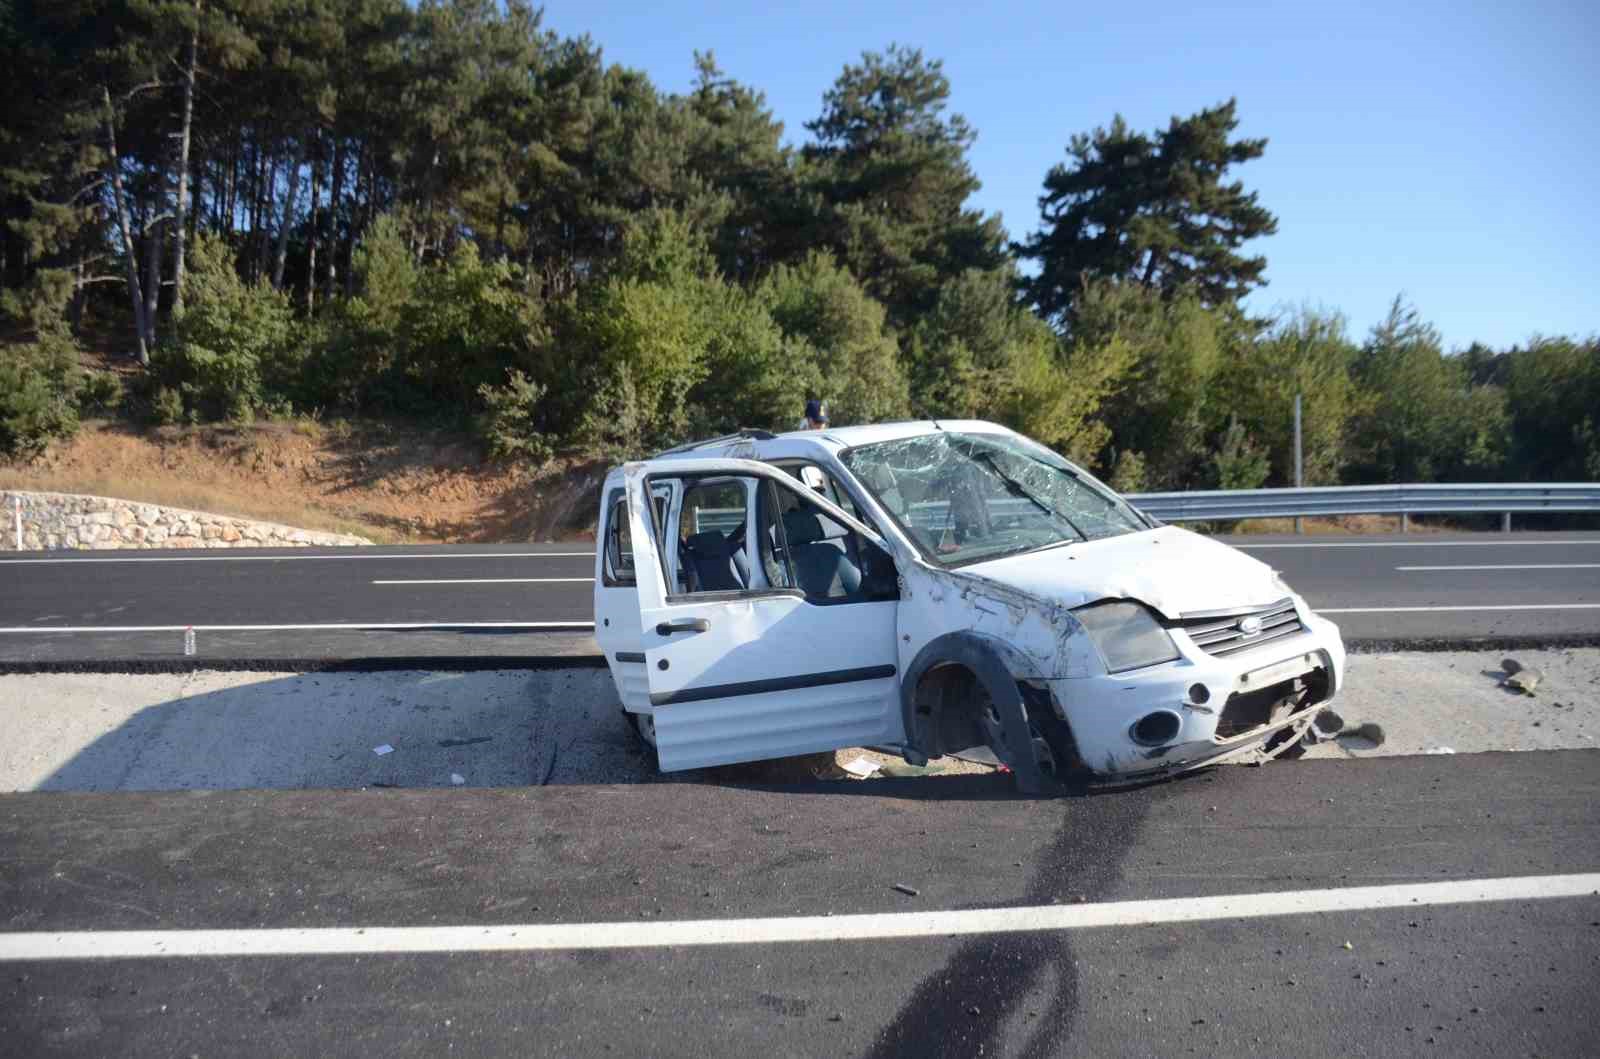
947	710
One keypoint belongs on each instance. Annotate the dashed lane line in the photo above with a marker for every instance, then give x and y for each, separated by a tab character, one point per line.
342	941
1478	607
1510	566
1408	544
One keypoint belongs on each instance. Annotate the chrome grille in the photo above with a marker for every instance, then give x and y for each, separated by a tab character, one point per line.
1225	634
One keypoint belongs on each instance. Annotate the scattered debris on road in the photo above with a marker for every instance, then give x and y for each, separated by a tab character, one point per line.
1519	677
909	891
457	779
861	768
383	749
467	741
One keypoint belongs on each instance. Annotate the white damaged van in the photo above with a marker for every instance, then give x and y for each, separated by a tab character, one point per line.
932	587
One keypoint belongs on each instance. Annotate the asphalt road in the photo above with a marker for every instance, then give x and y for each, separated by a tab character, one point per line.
530	601
1505	977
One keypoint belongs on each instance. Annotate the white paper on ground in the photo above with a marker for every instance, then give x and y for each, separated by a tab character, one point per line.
457	779
382	750
861	768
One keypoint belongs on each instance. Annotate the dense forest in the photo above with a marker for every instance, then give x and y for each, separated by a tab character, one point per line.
442	212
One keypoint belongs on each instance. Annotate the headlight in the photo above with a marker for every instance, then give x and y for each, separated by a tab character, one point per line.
1127	635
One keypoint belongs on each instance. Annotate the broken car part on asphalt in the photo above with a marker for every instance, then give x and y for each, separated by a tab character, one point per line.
934	587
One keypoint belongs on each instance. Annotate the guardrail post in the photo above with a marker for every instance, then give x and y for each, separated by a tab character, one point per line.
1405	522
1505	522
16	503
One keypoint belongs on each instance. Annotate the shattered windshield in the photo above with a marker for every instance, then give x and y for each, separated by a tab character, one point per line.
967	497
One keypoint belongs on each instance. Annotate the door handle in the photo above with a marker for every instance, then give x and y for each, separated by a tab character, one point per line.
667	628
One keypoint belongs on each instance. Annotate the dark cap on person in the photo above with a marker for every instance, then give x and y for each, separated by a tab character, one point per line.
816	412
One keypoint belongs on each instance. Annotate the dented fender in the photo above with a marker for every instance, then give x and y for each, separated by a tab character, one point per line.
983	656
1040	639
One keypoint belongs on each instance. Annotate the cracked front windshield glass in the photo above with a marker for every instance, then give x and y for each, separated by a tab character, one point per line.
967	497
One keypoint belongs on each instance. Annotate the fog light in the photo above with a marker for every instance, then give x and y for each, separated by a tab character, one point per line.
1156	729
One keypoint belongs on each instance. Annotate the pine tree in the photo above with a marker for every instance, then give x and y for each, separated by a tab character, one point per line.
890	170
1151	209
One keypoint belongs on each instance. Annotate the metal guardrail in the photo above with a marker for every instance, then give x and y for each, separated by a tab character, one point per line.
1229	504
1402	500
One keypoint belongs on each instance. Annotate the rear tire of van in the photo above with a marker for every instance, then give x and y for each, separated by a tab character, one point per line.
644	728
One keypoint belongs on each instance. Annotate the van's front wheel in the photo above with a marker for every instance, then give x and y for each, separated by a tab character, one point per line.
1056	752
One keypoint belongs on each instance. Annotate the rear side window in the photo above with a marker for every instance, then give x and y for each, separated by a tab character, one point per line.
618	543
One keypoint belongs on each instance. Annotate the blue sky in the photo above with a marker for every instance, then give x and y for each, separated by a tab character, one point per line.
1450	151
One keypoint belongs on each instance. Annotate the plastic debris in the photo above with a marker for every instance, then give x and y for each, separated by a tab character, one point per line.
1523	680
909	891
188	640
457	779
861	768
1439	750
382	750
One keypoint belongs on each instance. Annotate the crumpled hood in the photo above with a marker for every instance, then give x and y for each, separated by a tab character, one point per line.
1170	569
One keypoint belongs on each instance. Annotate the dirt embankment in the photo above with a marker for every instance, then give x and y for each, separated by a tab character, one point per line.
388	483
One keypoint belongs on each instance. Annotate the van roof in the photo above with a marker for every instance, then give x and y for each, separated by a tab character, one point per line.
834	438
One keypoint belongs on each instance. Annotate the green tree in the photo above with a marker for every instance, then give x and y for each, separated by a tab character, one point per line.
841	347
235	351
1163	406
890	170
1305	352
1152	209
1424	422
1553	401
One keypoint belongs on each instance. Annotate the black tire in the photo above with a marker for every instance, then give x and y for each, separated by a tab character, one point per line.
1057	752
638	722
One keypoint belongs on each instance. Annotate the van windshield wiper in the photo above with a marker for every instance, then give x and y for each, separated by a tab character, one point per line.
1018	489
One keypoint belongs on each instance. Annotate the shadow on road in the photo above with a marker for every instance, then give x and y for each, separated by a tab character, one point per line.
394	729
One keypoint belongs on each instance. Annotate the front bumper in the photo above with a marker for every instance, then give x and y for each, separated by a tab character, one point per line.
1241	708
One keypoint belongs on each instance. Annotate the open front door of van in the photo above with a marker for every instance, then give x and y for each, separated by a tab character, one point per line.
767	614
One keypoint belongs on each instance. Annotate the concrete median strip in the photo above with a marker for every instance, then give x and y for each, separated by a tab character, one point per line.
363	555
535	937
488	581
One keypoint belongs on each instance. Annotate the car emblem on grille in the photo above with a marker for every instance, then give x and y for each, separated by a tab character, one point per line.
1250	626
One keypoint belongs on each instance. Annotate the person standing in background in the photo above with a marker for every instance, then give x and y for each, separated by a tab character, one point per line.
816	416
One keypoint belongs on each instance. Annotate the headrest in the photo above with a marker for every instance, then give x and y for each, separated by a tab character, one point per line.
802	527
707	545
878	477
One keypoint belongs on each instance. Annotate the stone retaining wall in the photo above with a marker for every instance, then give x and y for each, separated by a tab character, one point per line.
65	520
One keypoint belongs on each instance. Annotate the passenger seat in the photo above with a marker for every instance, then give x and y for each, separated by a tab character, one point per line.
820	563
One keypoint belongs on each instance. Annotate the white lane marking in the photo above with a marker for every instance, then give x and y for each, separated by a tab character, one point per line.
1511	566
486	581
293	558
1406	544
1433	610
286	628
134	944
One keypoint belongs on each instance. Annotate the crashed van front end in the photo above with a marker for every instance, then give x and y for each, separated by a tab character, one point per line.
1243	685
